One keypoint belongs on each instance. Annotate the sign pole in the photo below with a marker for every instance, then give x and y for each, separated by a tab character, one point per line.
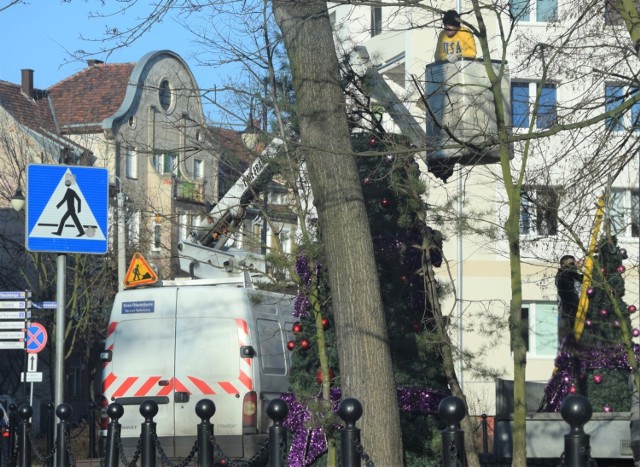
61	325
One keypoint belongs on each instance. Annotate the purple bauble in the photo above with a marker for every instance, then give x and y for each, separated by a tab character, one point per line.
621	269
632	309
590	291
588	323
636	332
616	323
597	379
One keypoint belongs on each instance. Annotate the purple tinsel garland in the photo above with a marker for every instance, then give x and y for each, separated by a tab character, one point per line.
307	445
559	385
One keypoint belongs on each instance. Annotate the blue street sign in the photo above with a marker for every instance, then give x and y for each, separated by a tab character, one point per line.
45	305
67	209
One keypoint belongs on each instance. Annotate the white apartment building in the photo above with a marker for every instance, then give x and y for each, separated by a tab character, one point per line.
580	61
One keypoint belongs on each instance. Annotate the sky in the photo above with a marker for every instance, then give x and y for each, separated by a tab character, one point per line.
43	35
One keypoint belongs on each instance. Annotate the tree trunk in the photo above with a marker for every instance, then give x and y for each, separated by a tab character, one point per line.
365	361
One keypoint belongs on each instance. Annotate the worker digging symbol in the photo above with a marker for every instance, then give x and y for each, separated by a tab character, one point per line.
136	273
70	197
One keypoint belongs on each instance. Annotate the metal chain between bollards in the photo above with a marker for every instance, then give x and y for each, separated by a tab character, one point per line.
164	459
44	459
363	455
67	437
136	454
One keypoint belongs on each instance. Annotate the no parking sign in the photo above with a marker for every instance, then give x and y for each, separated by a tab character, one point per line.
36	338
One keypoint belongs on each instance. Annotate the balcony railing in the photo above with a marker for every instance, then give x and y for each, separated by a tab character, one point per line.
188	191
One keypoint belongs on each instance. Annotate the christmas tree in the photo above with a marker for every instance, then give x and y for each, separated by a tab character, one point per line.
599	362
392	191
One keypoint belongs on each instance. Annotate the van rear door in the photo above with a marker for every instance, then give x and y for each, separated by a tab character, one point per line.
142	339
210	330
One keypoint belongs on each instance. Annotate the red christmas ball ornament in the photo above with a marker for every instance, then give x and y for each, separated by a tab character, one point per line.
304	344
572	389
588	323
366	180
636	332
632	309
373	141
597	379
325	323
621	269
291	345
297	327
385	202
606	408
320	379
590	292
604	312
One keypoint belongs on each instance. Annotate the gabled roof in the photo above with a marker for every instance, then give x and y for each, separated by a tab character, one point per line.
84	100
33	112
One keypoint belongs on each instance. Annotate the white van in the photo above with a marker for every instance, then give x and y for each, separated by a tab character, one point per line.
189	340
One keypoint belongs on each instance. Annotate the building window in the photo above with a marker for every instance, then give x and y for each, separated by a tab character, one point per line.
540	11
131	162
198	168
542	325
624	212
165	94
614	95
376	20
523	97
167	163
157	235
539	211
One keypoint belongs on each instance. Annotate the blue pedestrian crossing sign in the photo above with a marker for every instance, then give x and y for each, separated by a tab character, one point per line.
67	209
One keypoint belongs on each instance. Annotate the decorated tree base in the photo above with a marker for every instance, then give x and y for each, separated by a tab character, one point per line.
608	389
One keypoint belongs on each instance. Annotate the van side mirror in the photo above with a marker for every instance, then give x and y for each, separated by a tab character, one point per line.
247	351
106	356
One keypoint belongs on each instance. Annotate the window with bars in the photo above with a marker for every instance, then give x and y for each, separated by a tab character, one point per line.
624	212
539	11
614	96
376	20
539	211
523	97
167	163
541	336
131	162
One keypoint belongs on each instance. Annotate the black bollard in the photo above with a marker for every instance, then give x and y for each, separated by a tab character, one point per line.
350	410
576	411
92	429
13	423
485	437
64	412
205	410
115	411
24	427
148	409
277	410
451	410
51	430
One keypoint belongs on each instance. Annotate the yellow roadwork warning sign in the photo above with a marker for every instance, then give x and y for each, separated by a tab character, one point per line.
139	273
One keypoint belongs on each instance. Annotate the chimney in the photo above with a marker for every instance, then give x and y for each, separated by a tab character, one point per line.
27	83
94	62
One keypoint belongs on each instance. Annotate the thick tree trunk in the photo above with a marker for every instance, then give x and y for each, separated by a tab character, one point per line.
365	361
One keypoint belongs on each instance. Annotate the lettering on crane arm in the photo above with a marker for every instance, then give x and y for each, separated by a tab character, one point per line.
140	272
257	167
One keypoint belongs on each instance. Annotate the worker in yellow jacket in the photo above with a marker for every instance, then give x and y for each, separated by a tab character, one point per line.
455	41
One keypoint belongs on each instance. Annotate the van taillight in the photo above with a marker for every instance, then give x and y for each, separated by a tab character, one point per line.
249	410
104	417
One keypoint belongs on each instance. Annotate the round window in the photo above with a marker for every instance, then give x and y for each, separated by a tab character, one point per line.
165	95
